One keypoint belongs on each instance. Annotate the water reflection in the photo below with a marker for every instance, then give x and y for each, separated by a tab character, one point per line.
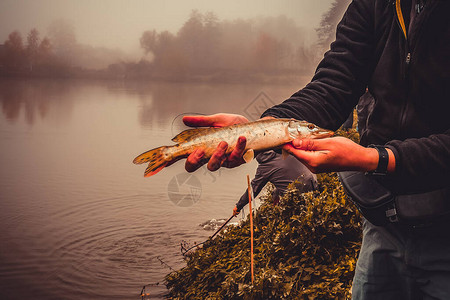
38	98
35	98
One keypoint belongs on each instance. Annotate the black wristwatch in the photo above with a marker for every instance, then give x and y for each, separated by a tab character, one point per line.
383	161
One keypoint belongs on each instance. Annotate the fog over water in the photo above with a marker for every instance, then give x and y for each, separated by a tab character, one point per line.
213	40
119	24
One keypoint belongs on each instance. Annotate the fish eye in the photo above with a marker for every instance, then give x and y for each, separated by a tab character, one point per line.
310	126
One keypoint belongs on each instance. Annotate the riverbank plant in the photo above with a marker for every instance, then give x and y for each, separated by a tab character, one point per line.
304	248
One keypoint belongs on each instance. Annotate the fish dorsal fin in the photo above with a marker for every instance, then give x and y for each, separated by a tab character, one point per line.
249	155
189	134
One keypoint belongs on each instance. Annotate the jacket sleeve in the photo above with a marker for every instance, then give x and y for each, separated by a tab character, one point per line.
340	78
423	163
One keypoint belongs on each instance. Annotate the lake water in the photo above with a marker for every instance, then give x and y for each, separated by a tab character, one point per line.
78	219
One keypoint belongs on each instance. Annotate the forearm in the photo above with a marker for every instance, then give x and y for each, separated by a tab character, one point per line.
257	184
243	201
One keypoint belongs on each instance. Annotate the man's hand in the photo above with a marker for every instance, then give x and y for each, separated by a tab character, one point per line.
336	154
219	158
236	211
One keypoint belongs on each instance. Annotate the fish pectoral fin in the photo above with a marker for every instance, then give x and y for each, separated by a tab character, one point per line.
191	133
249	155
284	153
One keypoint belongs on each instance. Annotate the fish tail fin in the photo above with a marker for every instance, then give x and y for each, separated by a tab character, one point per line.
155	158
154	168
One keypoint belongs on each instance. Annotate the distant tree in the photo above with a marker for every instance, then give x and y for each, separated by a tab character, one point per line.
330	19
206	46
32	48
149	41
211	41
14	51
45	55
166	40
211	23
195	47
62	36
170	59
237	40
45	50
190	38
160	45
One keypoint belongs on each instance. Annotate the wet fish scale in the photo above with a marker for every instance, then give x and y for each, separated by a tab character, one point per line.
261	135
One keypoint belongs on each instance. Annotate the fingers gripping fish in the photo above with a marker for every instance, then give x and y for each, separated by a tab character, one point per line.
261	135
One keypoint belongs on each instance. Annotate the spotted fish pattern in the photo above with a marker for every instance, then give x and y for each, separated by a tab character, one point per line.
261	135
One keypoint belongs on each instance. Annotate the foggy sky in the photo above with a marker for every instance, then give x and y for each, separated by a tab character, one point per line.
120	23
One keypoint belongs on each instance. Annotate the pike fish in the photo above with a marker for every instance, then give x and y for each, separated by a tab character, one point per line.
261	135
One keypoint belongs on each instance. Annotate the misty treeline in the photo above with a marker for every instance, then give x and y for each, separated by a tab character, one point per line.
56	54
327	28
204	48
18	57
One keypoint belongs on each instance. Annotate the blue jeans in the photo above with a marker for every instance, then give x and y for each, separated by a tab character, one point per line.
398	262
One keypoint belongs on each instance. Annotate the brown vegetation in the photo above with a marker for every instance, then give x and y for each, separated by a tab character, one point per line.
305	248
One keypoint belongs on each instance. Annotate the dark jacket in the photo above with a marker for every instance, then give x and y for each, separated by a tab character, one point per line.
280	172
408	78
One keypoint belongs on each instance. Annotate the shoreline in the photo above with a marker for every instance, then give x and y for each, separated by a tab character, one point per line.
306	246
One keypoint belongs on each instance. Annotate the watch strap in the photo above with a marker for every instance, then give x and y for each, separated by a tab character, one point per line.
383	160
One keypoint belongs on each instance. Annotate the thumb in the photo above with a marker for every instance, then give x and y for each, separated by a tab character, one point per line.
304	155
198	121
309	144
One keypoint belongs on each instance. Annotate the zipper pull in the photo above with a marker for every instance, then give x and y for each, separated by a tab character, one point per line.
408	57
419	6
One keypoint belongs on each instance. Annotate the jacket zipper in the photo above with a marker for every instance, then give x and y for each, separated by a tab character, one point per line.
405	72
408	58
405	108
408	52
